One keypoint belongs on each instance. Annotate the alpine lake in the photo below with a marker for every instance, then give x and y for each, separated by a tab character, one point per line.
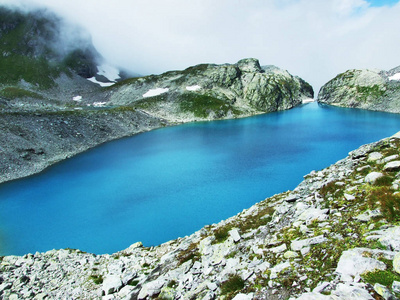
170	182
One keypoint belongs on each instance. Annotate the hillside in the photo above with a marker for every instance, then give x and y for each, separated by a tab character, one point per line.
367	89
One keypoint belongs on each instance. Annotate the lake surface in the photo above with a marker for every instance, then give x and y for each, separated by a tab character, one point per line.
170	182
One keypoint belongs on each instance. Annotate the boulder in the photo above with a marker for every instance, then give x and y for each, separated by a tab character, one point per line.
150	289
299	244
111	284
392	166
352	263
372	177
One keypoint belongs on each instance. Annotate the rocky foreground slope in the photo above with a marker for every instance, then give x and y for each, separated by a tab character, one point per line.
335	236
367	89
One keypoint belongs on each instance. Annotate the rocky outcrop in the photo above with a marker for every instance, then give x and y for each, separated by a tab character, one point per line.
367	89
213	91
335	236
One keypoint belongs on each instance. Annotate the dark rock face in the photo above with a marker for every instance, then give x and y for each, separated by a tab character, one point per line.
366	89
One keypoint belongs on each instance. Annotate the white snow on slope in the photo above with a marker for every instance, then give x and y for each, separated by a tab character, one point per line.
93	79
193	88
395	77
77	98
109	72
155	92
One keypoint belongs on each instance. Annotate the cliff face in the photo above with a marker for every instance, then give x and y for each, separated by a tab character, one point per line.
334	236
367	89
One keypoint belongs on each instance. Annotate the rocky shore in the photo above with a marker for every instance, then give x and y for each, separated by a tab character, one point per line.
335	236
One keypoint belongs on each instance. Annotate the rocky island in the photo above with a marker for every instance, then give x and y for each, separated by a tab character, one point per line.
335	236
367	89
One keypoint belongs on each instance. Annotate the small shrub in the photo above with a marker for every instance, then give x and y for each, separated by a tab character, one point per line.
233	284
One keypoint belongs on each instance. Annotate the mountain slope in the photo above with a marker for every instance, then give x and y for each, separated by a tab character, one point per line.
368	89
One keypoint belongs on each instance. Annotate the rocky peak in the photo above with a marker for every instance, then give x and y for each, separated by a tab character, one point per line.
249	65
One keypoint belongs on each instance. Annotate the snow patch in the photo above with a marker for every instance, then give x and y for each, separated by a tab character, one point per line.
103	84
155	92
109	72
308	100
193	88
395	77
77	98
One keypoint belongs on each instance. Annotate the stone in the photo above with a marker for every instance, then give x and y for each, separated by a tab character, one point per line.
111	284
212	286
349	197
396	263
396	286
297	245
150	289
291	198
390	158
392	166
372	177
353	263
312	213
234	233
167	293
383	291
374	156
321	287
278	249
290	254
243	297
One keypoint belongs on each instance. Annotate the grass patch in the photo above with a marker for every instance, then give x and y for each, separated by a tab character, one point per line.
233	284
14	93
221	234
388	202
97	279
384	181
191	253
202	105
385	278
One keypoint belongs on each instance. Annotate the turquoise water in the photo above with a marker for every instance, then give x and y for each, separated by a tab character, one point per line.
170	182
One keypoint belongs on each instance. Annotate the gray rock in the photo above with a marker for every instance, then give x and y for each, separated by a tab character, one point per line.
396	263
352	263
299	244
383	291
151	288
396	286
234	233
112	284
372	177
392	166
374	156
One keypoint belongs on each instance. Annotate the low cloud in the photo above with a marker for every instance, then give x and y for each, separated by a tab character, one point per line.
311	38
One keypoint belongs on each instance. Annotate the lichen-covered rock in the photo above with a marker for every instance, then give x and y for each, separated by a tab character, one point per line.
367	89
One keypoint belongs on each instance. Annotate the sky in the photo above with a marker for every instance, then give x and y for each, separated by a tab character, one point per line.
314	39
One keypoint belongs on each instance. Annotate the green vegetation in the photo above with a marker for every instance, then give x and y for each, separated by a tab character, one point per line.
97	279
385	278
369	91
221	234
202	105
191	253
14	93
233	284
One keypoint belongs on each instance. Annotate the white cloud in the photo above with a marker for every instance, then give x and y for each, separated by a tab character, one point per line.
311	38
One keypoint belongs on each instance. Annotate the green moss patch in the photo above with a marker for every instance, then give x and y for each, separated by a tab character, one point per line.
14	93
